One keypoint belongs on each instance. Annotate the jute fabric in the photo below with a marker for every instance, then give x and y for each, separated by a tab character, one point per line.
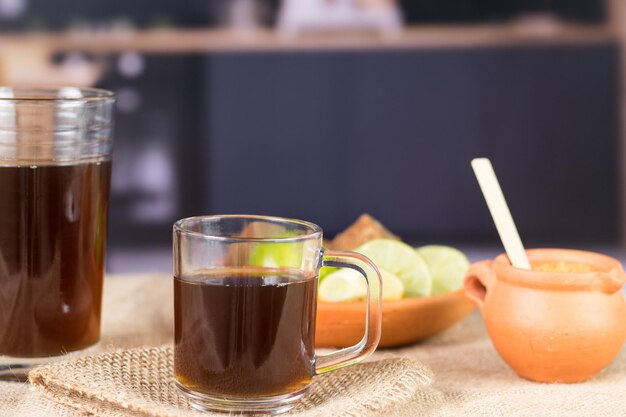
140	382
469	379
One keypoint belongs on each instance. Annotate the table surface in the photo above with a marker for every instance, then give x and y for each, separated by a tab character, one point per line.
470	378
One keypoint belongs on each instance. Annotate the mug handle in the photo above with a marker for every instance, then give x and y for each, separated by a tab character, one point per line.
477	282
373	318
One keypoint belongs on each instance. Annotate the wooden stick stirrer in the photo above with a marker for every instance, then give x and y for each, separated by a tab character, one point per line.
500	212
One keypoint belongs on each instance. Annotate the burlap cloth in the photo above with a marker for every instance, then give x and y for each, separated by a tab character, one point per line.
469	377
140	382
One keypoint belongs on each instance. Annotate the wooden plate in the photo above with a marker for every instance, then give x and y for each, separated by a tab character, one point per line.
404	321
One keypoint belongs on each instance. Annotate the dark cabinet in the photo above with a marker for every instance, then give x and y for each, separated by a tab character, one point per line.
326	136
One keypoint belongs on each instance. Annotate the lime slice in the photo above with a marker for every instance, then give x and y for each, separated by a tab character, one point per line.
276	255
349	285
326	271
447	266
402	261
343	285
393	289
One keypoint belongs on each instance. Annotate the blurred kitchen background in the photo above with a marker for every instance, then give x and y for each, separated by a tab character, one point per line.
325	109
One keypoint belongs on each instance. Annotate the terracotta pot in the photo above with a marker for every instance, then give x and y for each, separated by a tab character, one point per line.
552	326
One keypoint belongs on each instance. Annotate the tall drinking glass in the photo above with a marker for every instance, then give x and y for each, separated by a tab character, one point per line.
245	296
55	169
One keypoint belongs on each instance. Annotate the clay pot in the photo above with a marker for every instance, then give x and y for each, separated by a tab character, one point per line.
552	326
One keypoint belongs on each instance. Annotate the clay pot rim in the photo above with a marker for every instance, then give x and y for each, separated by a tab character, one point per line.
609	278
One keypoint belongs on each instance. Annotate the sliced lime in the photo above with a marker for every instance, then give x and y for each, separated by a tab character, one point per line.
447	266
343	285
402	261
393	289
349	285
276	255
326	271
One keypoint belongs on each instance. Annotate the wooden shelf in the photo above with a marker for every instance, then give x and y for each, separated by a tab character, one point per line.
183	41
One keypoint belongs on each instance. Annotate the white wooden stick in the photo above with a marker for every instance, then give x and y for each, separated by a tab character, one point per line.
500	212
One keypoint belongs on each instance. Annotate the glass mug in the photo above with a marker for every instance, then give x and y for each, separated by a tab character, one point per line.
55	168
245	296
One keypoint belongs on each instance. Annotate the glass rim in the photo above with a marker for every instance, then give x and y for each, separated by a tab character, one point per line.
53	94
314	231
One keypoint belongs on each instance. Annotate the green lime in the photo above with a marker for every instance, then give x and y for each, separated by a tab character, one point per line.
326	271
447	266
343	285
402	261
277	255
393	288
348	285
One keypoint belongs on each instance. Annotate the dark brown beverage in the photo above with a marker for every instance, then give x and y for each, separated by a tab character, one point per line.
52	235
245	332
